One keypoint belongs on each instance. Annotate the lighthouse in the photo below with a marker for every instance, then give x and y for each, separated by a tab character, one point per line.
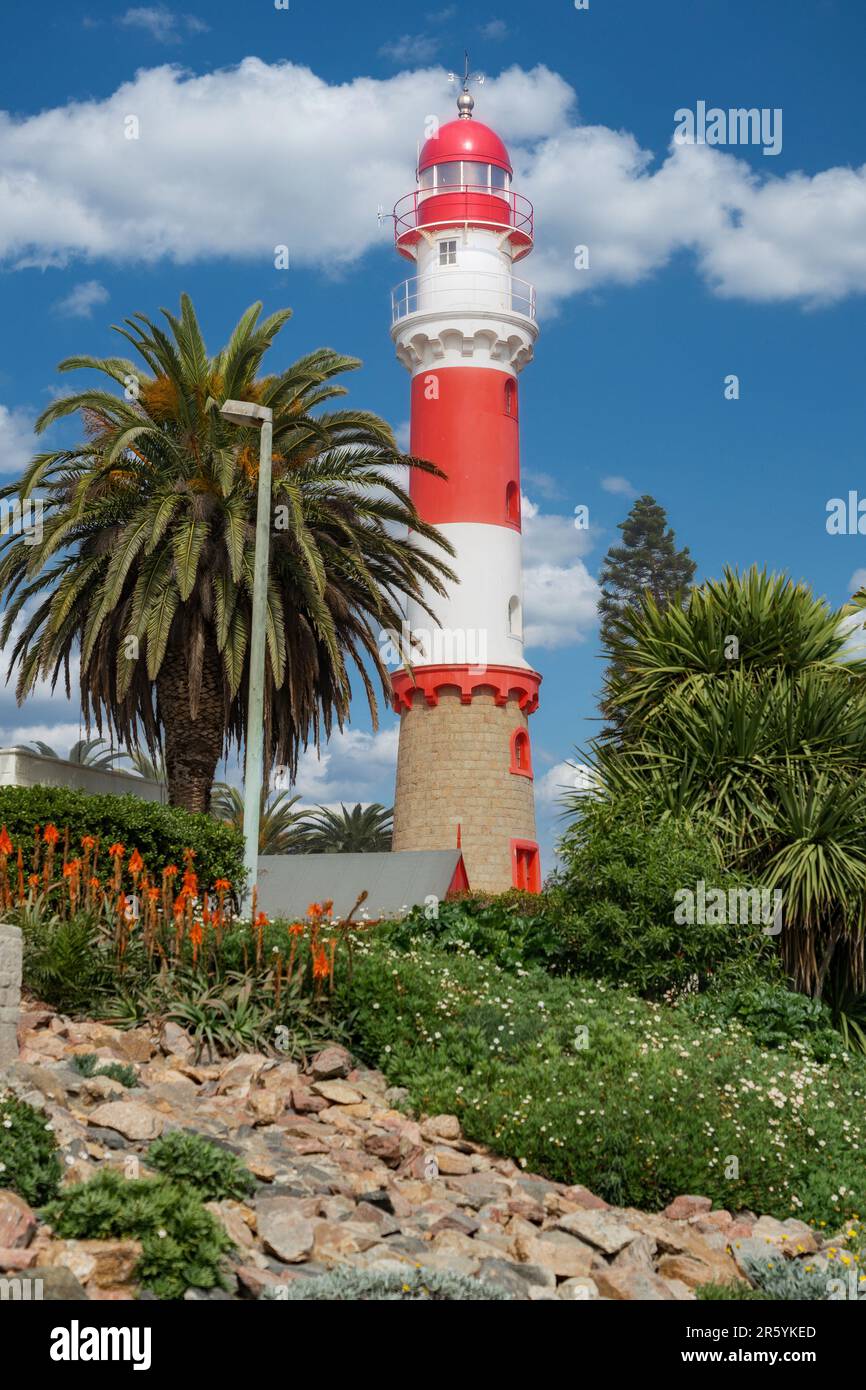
464	325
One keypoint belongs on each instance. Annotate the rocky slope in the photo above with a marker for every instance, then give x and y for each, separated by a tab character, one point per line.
344	1177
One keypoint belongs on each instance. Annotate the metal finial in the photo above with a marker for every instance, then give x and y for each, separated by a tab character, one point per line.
465	101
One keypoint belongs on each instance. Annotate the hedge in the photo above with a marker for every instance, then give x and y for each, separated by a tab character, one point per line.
159	833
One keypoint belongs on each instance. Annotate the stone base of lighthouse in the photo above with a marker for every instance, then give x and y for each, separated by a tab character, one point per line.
454	769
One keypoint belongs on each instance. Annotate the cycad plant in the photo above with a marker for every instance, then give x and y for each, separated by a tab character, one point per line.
87	752
361	830
146	558
747	706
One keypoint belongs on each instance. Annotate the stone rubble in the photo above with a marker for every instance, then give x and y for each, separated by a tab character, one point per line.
344	1177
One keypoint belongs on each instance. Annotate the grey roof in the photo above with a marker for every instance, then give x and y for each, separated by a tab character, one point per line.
288	883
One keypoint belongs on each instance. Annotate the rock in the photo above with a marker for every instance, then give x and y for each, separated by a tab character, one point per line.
575	1290
638	1254
450	1162
555	1250
686	1269
794	1237
11	957
58	1285
337	1092
39	1079
129	1118
334	1240
632	1284
237	1078
441	1127
681	1208
102	1088
305	1103
177	1042
386	1147
17	1221
604	1230
105	1263
12	1259
281	1077
283	1230
515	1278
267	1105
331	1062
582	1197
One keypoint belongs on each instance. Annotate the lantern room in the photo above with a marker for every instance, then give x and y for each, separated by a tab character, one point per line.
464	180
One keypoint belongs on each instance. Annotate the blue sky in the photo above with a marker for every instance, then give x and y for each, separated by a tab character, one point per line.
261	127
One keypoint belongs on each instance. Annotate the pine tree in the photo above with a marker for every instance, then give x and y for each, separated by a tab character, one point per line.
648	560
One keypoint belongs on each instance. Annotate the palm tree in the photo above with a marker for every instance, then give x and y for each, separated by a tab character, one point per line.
146	557
280	825
152	768
87	752
748	707
362	830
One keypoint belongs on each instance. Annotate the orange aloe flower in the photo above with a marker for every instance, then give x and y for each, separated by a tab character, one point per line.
5	842
297	928
117	851
136	863
51	834
222	885
170	871
33	880
88	841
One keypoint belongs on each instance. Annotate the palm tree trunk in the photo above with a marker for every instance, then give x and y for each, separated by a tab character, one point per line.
193	729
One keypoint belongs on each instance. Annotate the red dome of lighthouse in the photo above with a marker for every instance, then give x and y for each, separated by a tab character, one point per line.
464	139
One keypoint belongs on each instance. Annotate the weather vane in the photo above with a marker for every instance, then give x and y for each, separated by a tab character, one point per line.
465	102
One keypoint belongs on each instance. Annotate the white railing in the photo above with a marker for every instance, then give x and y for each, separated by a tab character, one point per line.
467	291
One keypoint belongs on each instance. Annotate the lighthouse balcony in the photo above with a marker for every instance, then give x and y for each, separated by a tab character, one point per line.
478	290
463	204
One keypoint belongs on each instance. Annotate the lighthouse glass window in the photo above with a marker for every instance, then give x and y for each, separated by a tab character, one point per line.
448	253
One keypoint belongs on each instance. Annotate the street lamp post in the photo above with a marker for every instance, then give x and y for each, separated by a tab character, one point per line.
249	414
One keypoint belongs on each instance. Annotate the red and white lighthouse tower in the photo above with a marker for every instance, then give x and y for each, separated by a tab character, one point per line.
464	326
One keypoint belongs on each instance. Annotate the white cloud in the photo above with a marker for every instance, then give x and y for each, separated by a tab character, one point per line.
162	24
401	434
354	766
411	48
541	482
17	440
857	581
560	603
82	299
550	538
60	737
495	31
73	186
619	485
561	780
559	593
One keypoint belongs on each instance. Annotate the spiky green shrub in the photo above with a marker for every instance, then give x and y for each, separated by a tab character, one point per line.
347	1285
29	1164
88	1064
188	1158
183	1245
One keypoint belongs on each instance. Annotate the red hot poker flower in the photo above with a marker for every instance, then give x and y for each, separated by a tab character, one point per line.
5	842
51	834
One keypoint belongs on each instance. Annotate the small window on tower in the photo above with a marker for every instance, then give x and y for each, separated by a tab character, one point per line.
521	759
512	504
515	618
448	253
510	398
